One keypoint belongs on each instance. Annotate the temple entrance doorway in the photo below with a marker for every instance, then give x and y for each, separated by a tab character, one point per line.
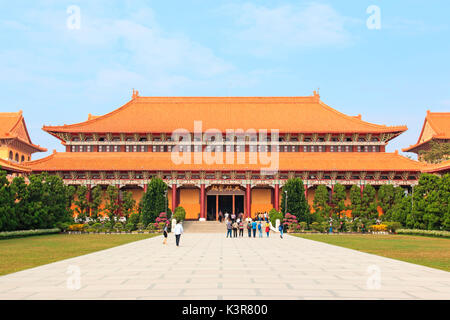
225	199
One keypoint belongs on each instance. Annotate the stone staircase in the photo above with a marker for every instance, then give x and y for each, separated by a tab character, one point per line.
204	227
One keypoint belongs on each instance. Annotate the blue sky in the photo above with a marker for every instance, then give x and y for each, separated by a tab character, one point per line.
58	75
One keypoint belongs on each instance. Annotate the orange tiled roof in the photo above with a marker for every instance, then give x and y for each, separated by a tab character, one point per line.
10	166
165	114
308	161
12	126
439	123
444	166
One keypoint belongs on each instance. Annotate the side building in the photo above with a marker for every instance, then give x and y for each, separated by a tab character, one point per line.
229	154
15	143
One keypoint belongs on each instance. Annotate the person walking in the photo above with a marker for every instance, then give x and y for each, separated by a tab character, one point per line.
226	216
254	229
281	229
249	228
165	233
241	229
229	228
260	229
220	216
178	230
235	229
267	229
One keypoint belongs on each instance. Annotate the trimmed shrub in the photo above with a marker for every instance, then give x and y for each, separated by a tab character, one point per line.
180	214
419	232
393	226
274	215
27	233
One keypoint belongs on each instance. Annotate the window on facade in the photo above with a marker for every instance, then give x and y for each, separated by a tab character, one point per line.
134	148
108	149
154	149
11	156
347	149
305	148
358	148
127	148
74	149
366	148
88	148
319	148
22	159
100	149
332	149
142	148
116	148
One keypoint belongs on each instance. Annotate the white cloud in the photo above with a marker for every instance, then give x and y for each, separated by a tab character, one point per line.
289	27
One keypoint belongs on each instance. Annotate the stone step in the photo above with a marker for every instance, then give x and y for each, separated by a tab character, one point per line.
204	227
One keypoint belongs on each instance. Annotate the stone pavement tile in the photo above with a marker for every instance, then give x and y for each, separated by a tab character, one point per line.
430	295
142	293
179	285
376	294
256	285
196	292
297	292
15	295
70	294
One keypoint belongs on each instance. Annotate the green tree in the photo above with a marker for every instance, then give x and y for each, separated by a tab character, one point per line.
445	196
154	200
179	214
368	202
425	203
81	202
128	203
96	201
112	202
8	219
296	201
355	198
338	199
321	201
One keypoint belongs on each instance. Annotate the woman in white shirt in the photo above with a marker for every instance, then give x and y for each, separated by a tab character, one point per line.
178	230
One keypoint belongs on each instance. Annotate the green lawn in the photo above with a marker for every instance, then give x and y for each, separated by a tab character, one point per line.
23	253
427	251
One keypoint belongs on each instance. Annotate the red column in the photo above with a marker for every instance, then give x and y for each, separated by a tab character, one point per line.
306	192
88	197
233	203
202	201
249	205
145	187
119	211
362	189
277	197
174	197
217	205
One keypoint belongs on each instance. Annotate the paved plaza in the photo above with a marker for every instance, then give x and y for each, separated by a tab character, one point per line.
209	266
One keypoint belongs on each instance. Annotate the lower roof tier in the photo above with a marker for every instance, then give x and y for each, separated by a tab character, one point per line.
323	161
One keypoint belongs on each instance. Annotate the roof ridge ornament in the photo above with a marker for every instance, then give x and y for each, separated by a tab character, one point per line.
135	94
316	94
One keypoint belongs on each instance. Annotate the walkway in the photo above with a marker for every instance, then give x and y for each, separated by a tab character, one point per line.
209	266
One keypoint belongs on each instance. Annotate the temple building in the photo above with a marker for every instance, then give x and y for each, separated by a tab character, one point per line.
229	154
436	128
15	143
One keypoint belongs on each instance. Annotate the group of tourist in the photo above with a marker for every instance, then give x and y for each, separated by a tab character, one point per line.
260	223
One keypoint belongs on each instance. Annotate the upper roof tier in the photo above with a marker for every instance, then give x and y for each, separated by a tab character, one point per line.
435	126
303	161
12	126
165	114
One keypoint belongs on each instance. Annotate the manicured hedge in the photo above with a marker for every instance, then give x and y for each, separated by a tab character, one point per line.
430	233
27	233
